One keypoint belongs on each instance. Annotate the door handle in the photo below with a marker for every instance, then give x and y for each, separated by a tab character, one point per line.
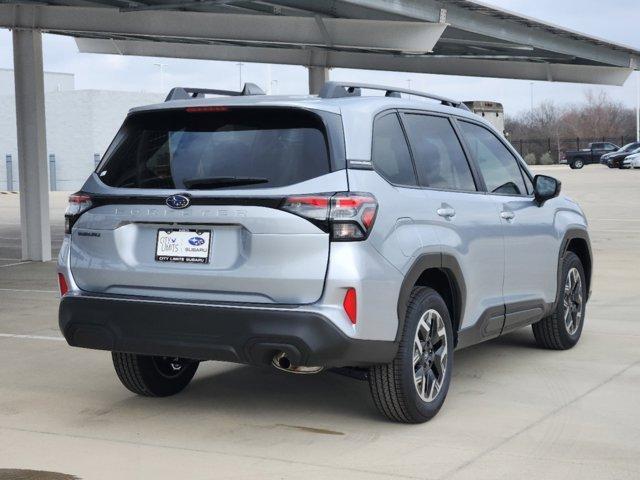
446	212
507	215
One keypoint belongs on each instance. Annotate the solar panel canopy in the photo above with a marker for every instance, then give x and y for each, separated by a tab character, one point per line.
453	37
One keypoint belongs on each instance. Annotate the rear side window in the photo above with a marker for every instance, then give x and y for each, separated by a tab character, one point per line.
390	153
498	166
440	160
217	148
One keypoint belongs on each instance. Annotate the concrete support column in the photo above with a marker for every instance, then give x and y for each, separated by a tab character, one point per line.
32	145
317	77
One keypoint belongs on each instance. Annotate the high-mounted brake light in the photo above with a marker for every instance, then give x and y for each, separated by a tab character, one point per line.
206	109
78	204
348	216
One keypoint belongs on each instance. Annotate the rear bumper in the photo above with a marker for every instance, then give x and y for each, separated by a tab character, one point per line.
233	333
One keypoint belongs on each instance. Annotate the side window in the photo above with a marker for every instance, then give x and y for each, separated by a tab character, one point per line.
527	181
390	152
610	146
440	160
498	166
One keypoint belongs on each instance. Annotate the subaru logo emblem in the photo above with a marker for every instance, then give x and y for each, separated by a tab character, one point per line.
178	201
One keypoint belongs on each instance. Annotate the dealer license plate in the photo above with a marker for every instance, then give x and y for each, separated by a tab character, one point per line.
183	245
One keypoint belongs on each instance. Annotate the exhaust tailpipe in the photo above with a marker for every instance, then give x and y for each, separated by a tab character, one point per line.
282	362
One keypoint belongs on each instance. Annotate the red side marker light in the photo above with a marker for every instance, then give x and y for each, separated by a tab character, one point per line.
62	283
350	305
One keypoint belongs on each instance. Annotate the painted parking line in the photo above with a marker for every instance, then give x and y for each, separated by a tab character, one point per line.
14	264
26	290
32	337
614	219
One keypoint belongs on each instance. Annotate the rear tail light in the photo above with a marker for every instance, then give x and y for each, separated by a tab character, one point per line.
347	216
78	204
62	283
350	305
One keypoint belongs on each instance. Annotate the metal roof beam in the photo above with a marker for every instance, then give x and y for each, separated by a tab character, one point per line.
500	28
369	61
410	37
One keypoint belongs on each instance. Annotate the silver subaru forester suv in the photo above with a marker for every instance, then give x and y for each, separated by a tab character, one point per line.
371	235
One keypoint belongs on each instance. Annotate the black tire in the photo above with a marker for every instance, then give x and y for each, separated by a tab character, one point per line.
552	332
392	385
577	164
153	376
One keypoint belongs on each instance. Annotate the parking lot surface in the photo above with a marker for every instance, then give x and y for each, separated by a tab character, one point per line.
513	410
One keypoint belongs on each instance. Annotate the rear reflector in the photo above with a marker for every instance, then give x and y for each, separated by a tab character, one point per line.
350	305
62	283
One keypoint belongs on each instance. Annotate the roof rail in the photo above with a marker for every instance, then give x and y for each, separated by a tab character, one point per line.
350	89
188	93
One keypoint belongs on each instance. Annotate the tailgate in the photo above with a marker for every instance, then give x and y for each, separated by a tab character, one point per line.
255	254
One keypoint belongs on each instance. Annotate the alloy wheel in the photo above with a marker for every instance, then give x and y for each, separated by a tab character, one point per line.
430	355
170	366
573	301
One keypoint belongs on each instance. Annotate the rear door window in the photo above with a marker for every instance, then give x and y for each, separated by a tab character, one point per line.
439	157
498	166
216	147
390	152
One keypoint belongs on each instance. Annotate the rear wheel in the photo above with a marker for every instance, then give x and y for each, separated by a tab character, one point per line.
413	387
577	164
154	376
562	329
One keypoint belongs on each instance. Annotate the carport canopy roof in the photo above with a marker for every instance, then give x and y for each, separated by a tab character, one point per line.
454	37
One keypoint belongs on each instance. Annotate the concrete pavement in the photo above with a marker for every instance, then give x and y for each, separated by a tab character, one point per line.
513	411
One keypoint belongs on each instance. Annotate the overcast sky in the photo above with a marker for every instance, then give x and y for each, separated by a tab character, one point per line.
615	20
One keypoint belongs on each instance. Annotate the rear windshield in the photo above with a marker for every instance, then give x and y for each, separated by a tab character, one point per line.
215	147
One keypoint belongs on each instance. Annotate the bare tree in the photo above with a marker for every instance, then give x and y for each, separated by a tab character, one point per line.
597	117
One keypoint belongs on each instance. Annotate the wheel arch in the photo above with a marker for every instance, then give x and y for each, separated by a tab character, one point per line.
441	272
577	240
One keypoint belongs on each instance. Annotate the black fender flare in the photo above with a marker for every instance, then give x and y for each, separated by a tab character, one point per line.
572	234
442	261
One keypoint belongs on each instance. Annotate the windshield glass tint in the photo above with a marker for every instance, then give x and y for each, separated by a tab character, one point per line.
254	148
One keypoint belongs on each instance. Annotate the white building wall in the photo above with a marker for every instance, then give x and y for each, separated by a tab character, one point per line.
53	82
80	123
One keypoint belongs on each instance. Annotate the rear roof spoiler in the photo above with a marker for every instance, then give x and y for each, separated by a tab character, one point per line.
189	93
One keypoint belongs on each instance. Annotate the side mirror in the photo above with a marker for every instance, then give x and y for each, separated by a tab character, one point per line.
545	188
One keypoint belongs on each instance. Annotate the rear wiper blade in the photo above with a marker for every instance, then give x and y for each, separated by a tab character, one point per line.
221	182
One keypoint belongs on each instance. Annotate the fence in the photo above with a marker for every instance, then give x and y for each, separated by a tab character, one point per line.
10	168
539	146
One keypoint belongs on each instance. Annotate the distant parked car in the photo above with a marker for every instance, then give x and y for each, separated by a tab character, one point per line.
608	159
632	161
617	160
577	159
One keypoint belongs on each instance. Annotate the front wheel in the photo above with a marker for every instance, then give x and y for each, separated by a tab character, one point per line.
154	376
413	387
562	329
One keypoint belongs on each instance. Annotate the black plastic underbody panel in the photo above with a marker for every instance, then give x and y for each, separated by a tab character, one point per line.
213	332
